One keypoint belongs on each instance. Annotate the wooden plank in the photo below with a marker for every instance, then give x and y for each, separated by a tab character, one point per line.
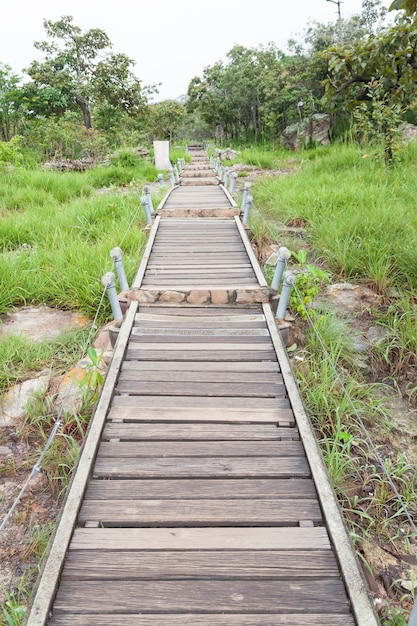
53	563
202	596
194	488
202	467
198	619
253	564
203	336
258	538
352	573
199	366
136	449
230	343
254	261
196	432
197	402
206	389
209	354
200	376
172	513
202	414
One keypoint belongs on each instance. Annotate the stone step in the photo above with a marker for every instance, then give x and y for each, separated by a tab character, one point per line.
199	182
198	173
214	296
184	212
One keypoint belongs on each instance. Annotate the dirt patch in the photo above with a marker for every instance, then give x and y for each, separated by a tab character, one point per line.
40	323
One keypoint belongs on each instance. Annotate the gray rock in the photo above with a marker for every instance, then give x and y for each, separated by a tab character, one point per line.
14	404
315	129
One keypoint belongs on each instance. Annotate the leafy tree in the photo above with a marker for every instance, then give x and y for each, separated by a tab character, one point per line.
10	102
166	118
375	75
78	71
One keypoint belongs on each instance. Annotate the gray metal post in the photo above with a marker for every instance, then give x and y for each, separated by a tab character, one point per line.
171	177
283	256
116	255
179	165
182	162
147	192
248	205
108	281
186	147
289	280
233	178
246	189
212	161
176	175
226	176
161	179
220	171
144	201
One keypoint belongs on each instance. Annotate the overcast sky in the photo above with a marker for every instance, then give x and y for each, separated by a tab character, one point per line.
171	41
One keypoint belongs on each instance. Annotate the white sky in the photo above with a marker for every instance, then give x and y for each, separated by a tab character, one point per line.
171	41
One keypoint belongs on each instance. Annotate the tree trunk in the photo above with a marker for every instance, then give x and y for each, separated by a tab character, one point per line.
81	101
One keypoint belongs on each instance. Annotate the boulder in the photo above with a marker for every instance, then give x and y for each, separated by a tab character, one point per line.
313	130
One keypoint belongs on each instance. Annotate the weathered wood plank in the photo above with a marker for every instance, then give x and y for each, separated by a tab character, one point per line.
200	376
257	390
197	402
202	467
287	565
194	488
207	355
198	619
258	538
137	449
202	596
171	513
197	366
197	432
202	414
211	311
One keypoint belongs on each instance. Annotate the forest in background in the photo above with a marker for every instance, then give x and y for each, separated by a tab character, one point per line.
84	100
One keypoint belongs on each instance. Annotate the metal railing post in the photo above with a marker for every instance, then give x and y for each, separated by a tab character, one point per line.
144	201
176	175
161	179
246	189
246	211
233	178
289	280
226	176
147	192
283	255
171	177
413	616
116	255
108	281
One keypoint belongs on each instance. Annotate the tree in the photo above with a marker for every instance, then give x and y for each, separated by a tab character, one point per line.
166	118
377	76
79	70
10	102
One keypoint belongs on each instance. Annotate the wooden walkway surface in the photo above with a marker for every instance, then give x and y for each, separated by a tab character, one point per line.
200	497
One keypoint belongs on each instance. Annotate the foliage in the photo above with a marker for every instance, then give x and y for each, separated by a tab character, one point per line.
10	102
10	152
377	78
165	119
309	280
78	71
93	378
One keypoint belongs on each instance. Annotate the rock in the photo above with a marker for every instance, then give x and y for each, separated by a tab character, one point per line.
172	297
226	155
5	451
219	297
348	297
102	341
376	334
40	323
198	296
69	165
315	129
408	132
14	404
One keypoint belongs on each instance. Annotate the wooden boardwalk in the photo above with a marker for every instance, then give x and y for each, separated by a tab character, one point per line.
200	497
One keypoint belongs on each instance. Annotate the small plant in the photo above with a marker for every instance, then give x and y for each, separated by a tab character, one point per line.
309	280
91	381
